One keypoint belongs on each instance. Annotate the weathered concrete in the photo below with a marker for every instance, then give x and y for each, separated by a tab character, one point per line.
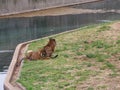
11	7
58	11
13	71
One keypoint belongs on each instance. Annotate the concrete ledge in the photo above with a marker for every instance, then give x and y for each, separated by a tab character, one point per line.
12	69
50	7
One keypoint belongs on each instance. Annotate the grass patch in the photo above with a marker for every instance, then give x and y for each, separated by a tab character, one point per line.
100	44
70	69
104	28
102	87
90	88
110	65
118	41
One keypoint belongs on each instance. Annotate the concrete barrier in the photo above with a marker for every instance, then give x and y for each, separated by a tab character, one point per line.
10	81
37	5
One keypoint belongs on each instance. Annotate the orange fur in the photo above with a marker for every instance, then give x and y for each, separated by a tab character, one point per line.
48	50
44	53
33	55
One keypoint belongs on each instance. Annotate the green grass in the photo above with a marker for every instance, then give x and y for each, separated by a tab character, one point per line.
104	28
70	68
90	88
118	41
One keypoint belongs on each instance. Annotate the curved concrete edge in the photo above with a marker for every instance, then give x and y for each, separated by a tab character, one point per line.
26	11
11	70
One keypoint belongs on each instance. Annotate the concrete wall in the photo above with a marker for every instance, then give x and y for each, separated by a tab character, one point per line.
18	6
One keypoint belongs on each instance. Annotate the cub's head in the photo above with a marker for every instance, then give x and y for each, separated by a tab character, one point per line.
51	40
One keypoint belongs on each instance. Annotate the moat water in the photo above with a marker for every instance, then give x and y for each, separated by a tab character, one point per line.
16	30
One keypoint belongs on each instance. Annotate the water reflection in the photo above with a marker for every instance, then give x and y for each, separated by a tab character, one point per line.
23	29
5	59
2	77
